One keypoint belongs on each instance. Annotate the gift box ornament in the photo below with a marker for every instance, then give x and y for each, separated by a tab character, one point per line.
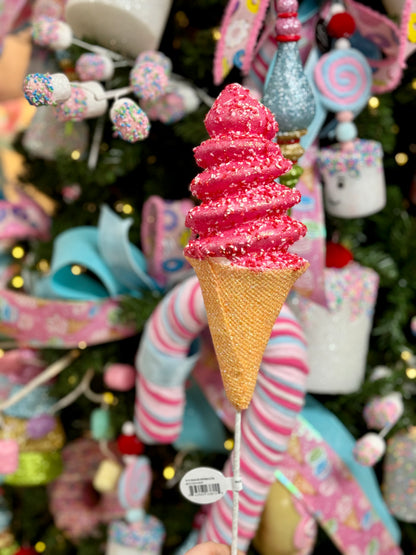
399	486
338	335
126	26
354	183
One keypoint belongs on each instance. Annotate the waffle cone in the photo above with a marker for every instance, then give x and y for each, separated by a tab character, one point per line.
242	306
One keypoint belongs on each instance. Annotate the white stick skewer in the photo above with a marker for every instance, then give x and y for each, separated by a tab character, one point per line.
237	485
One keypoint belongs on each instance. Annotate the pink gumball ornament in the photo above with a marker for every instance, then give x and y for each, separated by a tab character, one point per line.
120	377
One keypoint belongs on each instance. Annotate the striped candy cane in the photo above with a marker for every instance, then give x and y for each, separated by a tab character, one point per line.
163	365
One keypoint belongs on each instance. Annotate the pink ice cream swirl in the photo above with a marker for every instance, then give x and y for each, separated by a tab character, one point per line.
242	215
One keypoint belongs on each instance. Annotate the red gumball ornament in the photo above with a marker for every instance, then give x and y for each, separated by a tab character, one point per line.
127	442
337	256
341	25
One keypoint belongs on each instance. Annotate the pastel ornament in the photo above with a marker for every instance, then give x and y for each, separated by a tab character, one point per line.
139	532
100	424
73	514
39	426
164	363
385	411
107	475
399	475
119	376
94	67
369	449
155	57
286	528
125	27
338	364
51	33
87	100
354	182
148	80
45	89
9	456
179	100
130	122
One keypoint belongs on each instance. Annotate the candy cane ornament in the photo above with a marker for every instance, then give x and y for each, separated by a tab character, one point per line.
163	365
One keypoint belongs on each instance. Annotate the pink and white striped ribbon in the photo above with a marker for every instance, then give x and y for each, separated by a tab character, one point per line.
163	365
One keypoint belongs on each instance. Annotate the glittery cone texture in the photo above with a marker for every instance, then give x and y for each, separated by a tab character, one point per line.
242	306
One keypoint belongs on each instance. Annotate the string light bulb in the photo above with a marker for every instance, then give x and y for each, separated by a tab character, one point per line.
374	102
169	472
229	444
17	282
18	252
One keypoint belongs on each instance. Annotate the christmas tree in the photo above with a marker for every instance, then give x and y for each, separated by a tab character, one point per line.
110	382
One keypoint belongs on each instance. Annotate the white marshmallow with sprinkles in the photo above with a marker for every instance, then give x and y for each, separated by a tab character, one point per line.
46	89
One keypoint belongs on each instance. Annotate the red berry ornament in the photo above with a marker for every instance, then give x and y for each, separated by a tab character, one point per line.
341	25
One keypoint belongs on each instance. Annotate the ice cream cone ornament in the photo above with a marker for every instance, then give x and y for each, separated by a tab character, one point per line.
240	248
241	253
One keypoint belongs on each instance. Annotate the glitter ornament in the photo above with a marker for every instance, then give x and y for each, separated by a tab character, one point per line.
51	33
120	377
369	449
42	89
94	67
148	80
39	426
399	475
130	121
287	91
243	235
87	100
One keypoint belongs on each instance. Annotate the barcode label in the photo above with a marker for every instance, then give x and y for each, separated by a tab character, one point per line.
204	485
204	489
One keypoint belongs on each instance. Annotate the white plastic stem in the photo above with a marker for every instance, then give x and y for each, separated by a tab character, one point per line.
97	49
50	372
95	143
74	394
237	486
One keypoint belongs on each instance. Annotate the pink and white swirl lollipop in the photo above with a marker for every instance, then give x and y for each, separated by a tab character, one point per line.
343	78
134	483
130	121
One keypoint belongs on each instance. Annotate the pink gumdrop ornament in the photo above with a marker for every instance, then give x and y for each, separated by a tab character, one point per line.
120	377
9	456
